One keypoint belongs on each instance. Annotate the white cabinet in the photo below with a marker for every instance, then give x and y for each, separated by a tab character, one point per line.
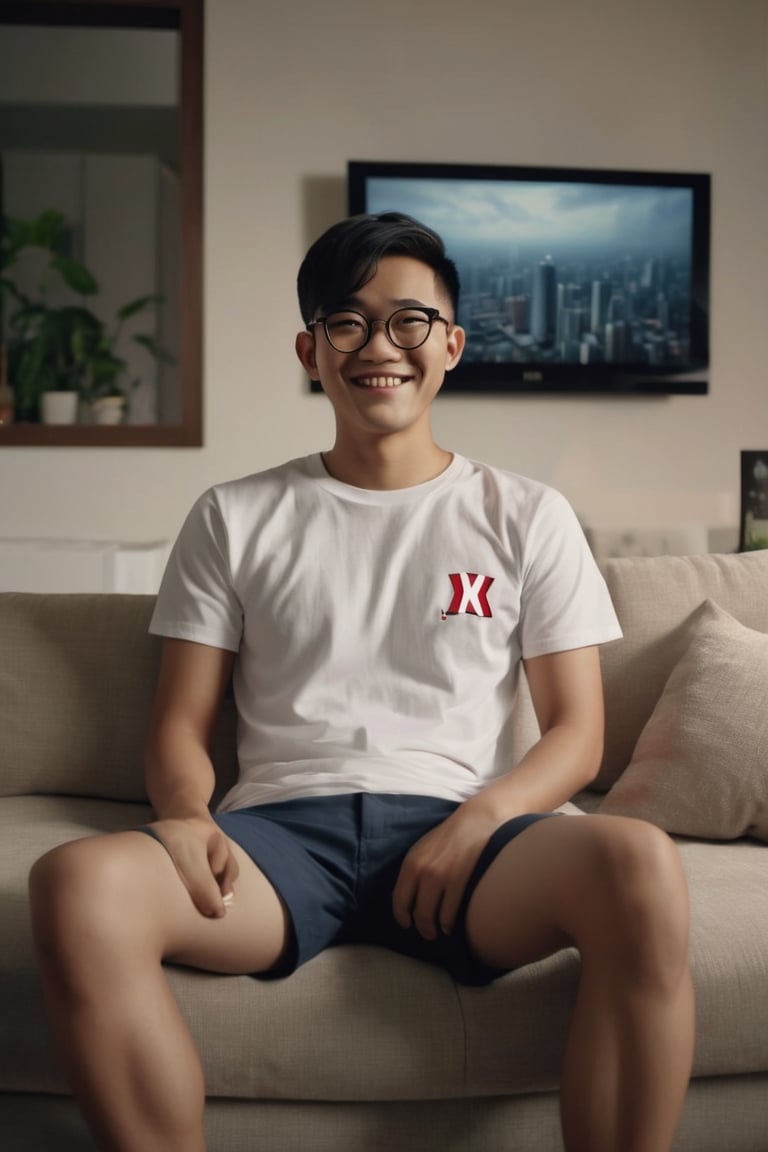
81	566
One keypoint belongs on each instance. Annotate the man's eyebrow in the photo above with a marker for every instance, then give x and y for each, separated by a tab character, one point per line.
409	302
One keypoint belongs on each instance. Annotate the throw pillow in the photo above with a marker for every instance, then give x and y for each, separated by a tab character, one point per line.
700	766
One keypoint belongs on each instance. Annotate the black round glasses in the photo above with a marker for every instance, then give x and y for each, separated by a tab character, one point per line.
406	328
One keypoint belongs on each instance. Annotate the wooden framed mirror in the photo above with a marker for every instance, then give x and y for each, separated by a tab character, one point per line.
161	181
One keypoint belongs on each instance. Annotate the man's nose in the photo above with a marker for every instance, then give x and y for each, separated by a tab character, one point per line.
379	344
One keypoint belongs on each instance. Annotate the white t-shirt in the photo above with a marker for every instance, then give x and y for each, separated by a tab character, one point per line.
379	633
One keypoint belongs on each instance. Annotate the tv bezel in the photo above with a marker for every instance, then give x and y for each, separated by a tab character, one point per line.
572	379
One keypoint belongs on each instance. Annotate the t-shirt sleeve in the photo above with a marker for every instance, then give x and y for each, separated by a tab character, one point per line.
197	600
565	600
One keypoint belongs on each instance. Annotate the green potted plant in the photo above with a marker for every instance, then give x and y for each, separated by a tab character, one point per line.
62	348
102	371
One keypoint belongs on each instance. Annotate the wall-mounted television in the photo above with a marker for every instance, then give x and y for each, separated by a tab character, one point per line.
574	280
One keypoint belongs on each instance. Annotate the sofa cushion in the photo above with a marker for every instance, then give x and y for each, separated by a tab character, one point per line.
358	1023
355	1023
700	767
75	698
30	826
76	687
654	598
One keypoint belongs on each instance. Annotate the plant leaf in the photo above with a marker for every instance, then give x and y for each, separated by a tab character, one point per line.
48	230
155	349
138	305
75	275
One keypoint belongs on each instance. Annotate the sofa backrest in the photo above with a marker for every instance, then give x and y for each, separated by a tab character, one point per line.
77	676
654	598
78	671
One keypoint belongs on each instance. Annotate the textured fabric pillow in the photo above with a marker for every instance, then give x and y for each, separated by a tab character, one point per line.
77	677
654	597
700	767
76	691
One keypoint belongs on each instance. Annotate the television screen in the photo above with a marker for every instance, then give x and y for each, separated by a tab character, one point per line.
573	280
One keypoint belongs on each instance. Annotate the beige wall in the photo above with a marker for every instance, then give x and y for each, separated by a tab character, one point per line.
294	90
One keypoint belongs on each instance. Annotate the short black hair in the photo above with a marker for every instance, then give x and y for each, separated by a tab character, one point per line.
346	257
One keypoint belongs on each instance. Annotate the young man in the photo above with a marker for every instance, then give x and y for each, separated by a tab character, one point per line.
375	605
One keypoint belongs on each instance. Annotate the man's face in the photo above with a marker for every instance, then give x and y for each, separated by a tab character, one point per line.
381	389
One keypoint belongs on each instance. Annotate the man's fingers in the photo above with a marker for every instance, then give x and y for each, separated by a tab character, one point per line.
449	907
201	883
427	899
416	900
223	865
403	897
189	854
426	912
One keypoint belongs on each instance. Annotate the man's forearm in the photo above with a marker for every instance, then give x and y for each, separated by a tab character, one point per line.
179	775
561	763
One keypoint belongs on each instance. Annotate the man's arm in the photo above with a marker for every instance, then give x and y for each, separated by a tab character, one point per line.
566	690
179	772
567	694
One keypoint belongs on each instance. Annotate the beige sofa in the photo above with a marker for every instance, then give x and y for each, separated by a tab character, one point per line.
361	1050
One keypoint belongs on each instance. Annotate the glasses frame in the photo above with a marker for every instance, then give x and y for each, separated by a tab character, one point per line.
432	315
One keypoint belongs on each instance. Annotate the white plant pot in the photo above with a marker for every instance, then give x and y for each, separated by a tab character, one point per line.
108	410
59	407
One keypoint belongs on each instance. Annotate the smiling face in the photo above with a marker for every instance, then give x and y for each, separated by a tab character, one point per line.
382	390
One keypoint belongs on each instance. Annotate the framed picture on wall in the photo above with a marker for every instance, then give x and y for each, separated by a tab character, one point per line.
753	531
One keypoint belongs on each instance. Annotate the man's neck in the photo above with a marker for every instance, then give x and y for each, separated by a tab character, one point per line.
384	465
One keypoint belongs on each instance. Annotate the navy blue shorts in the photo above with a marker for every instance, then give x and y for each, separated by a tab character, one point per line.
334	861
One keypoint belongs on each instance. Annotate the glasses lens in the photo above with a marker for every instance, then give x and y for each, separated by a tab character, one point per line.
347	331
406	328
409	327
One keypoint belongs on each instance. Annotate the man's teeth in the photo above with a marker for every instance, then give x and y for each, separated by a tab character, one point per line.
380	381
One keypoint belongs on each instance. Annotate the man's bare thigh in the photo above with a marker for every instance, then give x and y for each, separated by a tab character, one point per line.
250	937
542	892
132	879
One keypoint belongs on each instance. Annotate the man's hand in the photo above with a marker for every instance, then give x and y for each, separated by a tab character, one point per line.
435	872
203	860
567	694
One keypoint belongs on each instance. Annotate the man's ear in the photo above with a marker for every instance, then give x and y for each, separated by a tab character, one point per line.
305	350
457	338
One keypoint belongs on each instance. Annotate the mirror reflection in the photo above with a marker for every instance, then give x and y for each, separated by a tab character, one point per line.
92	208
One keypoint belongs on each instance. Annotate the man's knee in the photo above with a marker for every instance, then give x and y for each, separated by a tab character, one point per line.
55	877
640	868
641	897
79	893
